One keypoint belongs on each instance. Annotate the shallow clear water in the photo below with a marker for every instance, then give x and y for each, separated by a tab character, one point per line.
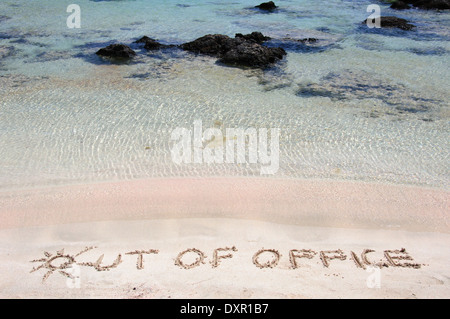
359	105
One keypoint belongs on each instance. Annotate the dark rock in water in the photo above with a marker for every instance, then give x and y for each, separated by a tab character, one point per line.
256	37
252	55
394	22
211	44
268	6
400	5
6	51
152	44
50	56
351	86
243	50
305	40
117	51
4	18
432	4
145	39
301	45
424	4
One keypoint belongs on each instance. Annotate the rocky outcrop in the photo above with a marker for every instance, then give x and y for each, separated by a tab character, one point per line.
431	4
253	55
117	51
267	6
422	4
151	44
400	5
394	22
243	50
211	44
256	37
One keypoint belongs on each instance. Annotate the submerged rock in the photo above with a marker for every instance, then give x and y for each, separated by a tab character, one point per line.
400	5
243	50
151	44
252	55
422	4
4	18
431	4
211	44
394	22
6	51
256	37
268	6
348	85
117	51
305	40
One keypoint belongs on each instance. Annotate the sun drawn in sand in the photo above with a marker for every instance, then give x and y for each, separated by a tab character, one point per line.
59	263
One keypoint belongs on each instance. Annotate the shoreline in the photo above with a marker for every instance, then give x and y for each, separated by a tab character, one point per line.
301	202
367	181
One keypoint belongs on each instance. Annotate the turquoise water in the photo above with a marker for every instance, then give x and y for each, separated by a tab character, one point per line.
358	105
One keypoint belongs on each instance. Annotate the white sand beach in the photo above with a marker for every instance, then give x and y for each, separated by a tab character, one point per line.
307	233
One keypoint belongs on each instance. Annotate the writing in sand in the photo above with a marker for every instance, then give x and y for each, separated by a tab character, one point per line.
60	261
